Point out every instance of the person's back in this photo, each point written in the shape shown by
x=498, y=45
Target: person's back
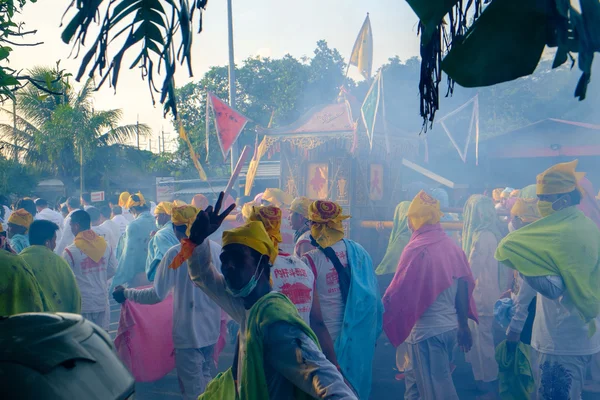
x=56, y=279
x=67, y=237
x=22, y=292
x=294, y=278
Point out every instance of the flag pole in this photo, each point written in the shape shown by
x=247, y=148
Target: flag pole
x=234, y=147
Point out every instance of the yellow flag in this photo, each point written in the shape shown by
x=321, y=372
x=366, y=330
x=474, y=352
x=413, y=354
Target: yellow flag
x=183, y=135
x=362, y=52
x=253, y=167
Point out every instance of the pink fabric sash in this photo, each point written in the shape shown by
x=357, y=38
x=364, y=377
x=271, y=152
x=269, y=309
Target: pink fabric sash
x=144, y=339
x=429, y=264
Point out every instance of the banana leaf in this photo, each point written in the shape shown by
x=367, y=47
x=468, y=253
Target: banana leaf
x=505, y=43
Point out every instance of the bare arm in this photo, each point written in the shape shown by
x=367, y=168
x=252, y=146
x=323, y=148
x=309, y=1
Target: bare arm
x=465, y=341
x=318, y=326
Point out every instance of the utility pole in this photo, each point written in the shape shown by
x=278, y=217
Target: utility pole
x=234, y=147
x=137, y=132
x=163, y=140
x=150, y=145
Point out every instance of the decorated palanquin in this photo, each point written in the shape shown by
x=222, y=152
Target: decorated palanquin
x=326, y=155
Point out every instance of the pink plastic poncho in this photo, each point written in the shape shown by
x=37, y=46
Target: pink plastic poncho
x=144, y=339
x=429, y=264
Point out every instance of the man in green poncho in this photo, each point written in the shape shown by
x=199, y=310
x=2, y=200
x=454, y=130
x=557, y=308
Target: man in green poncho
x=51, y=270
x=20, y=292
x=559, y=257
x=267, y=364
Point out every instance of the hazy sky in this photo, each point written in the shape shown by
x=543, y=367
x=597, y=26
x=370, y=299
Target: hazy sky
x=265, y=27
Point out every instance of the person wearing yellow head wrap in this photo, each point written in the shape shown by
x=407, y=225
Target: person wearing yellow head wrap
x=183, y=216
x=179, y=203
x=299, y=223
x=559, y=257
x=162, y=240
x=243, y=292
x=399, y=238
x=497, y=195
x=200, y=202
x=423, y=210
x=18, y=225
x=348, y=292
x=123, y=199
x=132, y=250
x=277, y=197
x=196, y=319
x=270, y=216
x=523, y=212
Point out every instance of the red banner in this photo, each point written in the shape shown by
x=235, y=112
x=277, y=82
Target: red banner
x=229, y=123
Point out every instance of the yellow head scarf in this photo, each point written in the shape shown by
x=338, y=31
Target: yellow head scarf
x=253, y=235
x=200, y=202
x=497, y=194
x=526, y=210
x=326, y=218
x=270, y=216
x=515, y=193
x=179, y=203
x=91, y=244
x=247, y=210
x=277, y=197
x=424, y=210
x=123, y=199
x=301, y=205
x=132, y=203
x=164, y=207
x=559, y=179
x=21, y=217
x=184, y=215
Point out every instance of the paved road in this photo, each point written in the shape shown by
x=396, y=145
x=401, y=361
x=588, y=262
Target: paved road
x=385, y=386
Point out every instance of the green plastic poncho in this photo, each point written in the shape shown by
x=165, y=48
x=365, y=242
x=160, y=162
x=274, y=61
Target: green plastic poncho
x=55, y=277
x=399, y=238
x=20, y=292
x=515, y=376
x=565, y=243
x=528, y=192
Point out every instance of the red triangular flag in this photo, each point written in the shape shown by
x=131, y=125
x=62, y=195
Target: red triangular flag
x=229, y=123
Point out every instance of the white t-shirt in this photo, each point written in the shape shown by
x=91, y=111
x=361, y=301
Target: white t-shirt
x=52, y=216
x=302, y=240
x=92, y=277
x=66, y=238
x=128, y=216
x=295, y=279
x=439, y=318
x=196, y=318
x=328, y=286
x=121, y=222
x=106, y=232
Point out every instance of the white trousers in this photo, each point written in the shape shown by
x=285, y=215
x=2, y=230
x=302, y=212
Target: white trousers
x=428, y=376
x=193, y=370
x=552, y=367
x=102, y=319
x=482, y=356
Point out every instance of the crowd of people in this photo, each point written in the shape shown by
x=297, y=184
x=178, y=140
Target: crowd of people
x=518, y=291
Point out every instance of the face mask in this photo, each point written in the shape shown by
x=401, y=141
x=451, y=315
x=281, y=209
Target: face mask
x=547, y=208
x=250, y=286
x=158, y=225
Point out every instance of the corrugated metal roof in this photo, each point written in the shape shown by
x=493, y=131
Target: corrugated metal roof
x=266, y=169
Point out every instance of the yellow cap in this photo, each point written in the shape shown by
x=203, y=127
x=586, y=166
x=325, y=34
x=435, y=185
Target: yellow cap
x=21, y=217
x=424, y=210
x=559, y=179
x=253, y=235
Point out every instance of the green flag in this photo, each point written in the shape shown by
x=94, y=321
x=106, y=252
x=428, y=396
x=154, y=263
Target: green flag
x=369, y=108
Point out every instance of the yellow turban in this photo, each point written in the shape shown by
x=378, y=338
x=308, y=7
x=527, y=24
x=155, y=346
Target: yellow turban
x=133, y=203
x=247, y=210
x=300, y=205
x=21, y=217
x=270, y=216
x=326, y=218
x=164, y=207
x=424, y=210
x=179, y=203
x=184, y=215
x=559, y=179
x=497, y=194
x=526, y=210
x=200, y=202
x=123, y=199
x=253, y=235
x=277, y=197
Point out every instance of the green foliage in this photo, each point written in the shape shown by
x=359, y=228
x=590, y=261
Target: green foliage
x=53, y=130
x=161, y=30
x=285, y=88
x=16, y=179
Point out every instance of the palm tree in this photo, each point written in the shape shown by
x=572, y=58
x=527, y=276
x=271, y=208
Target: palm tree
x=60, y=133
